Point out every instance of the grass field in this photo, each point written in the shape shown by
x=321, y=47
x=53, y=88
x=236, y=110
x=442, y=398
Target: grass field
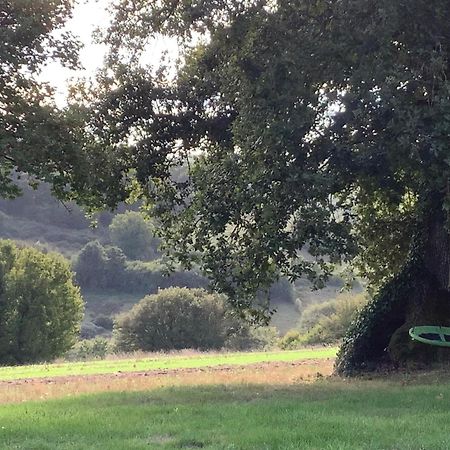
x=328, y=414
x=160, y=362
x=231, y=401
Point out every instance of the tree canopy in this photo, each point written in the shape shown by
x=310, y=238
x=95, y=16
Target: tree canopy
x=38, y=139
x=314, y=132
x=307, y=125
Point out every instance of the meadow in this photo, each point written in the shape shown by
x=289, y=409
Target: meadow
x=271, y=404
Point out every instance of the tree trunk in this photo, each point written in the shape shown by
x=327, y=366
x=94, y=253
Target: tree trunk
x=437, y=251
x=418, y=295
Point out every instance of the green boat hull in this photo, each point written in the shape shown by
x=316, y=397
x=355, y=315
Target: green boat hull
x=431, y=335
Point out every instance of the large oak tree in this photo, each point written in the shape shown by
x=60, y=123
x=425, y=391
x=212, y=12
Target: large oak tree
x=305, y=125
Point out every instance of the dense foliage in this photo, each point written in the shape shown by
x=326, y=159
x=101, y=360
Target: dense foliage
x=40, y=308
x=98, y=267
x=179, y=318
x=318, y=123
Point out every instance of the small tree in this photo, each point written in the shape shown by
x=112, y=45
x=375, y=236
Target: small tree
x=89, y=266
x=40, y=308
x=134, y=236
x=174, y=319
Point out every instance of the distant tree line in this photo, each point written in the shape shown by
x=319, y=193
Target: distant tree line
x=99, y=267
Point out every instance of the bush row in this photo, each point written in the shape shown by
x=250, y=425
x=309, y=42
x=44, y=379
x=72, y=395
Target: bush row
x=180, y=318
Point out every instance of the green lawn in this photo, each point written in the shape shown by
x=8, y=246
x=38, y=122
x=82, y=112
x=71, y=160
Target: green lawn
x=160, y=362
x=333, y=415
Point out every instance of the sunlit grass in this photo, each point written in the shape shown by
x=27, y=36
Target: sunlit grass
x=159, y=362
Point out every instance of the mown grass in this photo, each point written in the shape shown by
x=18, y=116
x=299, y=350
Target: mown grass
x=159, y=362
x=333, y=415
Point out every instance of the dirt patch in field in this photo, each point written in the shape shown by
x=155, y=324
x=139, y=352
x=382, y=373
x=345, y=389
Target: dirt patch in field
x=273, y=373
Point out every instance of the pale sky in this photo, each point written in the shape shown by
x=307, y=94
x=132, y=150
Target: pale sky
x=87, y=16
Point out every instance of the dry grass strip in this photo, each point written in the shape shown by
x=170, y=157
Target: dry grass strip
x=273, y=373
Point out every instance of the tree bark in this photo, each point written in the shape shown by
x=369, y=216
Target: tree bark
x=437, y=251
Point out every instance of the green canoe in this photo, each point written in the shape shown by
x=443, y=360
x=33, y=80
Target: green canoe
x=431, y=335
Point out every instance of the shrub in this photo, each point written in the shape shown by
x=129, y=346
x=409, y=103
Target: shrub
x=175, y=318
x=178, y=318
x=89, y=265
x=149, y=277
x=88, y=349
x=90, y=331
x=40, y=308
x=291, y=340
x=324, y=323
x=313, y=313
x=104, y=322
x=134, y=236
x=99, y=267
x=255, y=338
